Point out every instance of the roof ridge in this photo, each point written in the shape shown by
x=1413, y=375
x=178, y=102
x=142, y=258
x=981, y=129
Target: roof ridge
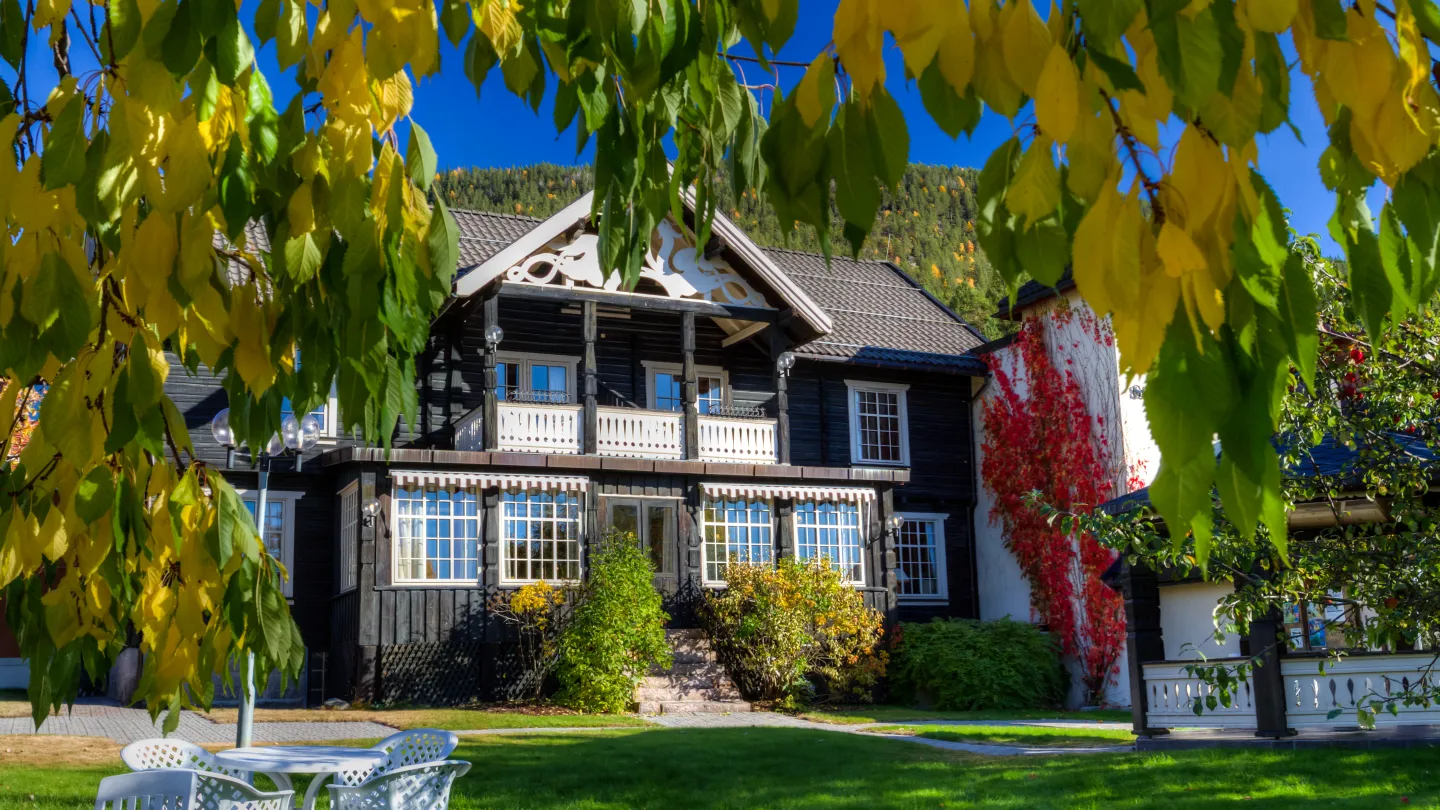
x=799, y=252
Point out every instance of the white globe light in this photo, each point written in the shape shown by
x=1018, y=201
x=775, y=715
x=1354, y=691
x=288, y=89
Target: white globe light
x=220, y=429
x=290, y=431
x=275, y=446
x=309, y=432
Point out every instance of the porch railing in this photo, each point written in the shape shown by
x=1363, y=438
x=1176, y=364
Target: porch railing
x=737, y=440
x=536, y=428
x=1310, y=695
x=634, y=433
x=468, y=432
x=1171, y=692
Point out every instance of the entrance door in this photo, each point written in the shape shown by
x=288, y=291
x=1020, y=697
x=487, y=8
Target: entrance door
x=655, y=524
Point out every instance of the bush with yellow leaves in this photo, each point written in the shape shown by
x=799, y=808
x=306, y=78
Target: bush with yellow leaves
x=538, y=612
x=794, y=633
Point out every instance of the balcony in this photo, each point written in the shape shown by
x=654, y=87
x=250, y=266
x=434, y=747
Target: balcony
x=539, y=427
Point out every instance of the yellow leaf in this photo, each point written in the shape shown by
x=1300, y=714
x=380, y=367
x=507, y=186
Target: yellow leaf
x=54, y=537
x=815, y=95
x=1091, y=155
x=859, y=40
x=1198, y=180
x=1035, y=191
x=393, y=99
x=1025, y=37
x=1057, y=95
x=919, y=26
x=1270, y=16
x=197, y=252
x=49, y=12
x=1178, y=251
x=1091, y=251
x=301, y=210
x=496, y=18
x=992, y=82
x=252, y=351
x=187, y=165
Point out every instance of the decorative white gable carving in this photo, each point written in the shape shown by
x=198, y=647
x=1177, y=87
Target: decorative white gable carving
x=673, y=263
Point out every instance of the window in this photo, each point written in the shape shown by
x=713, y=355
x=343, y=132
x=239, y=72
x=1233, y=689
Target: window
x=1316, y=625
x=327, y=414
x=535, y=378
x=878, y=424
x=652, y=521
x=830, y=530
x=437, y=534
x=349, y=535
x=278, y=528
x=736, y=527
x=540, y=535
x=667, y=387
x=920, y=553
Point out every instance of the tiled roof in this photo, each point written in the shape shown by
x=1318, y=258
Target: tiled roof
x=1033, y=292
x=881, y=315
x=256, y=241
x=483, y=234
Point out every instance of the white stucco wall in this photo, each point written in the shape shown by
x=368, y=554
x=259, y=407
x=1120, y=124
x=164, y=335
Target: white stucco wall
x=1187, y=621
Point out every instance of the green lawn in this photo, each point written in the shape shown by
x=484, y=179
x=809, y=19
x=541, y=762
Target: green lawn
x=1025, y=736
x=449, y=719
x=899, y=714
x=798, y=768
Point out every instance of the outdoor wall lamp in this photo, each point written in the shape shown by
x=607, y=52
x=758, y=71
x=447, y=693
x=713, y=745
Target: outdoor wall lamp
x=896, y=521
x=493, y=335
x=784, y=363
x=369, y=511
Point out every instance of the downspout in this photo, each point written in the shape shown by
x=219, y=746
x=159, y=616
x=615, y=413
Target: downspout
x=975, y=501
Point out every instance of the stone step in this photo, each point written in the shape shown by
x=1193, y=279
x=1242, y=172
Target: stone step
x=712, y=676
x=694, y=707
x=691, y=658
x=668, y=694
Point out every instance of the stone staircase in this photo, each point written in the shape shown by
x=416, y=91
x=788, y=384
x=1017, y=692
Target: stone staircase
x=696, y=683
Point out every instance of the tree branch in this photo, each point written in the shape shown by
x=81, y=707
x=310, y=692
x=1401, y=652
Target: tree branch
x=1157, y=211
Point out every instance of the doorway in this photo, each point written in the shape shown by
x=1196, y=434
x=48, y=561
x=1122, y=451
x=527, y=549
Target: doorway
x=655, y=522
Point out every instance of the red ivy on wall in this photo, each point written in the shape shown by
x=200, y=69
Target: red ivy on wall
x=1043, y=439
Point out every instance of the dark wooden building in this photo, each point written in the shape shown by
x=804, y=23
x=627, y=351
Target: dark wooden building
x=737, y=401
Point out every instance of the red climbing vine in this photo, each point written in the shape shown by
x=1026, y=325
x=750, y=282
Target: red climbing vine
x=1040, y=437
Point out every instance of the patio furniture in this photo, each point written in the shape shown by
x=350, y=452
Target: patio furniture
x=165, y=755
x=184, y=790
x=414, y=787
x=414, y=747
x=323, y=761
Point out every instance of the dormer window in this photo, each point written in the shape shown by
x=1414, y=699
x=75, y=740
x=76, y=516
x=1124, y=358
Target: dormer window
x=879, y=426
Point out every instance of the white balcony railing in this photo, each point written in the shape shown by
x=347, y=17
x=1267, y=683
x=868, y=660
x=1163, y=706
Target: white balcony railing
x=1171, y=692
x=633, y=433
x=468, y=433
x=535, y=428
x=1311, y=696
x=737, y=440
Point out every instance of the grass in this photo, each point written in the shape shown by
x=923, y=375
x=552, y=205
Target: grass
x=855, y=715
x=449, y=719
x=801, y=768
x=1024, y=736
x=14, y=703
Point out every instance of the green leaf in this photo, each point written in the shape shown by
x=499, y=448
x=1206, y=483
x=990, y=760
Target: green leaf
x=444, y=242
x=1416, y=200
x=267, y=16
x=889, y=138
x=181, y=47
x=1239, y=495
x=1044, y=250
x=290, y=39
x=1400, y=258
x=1330, y=19
x=122, y=30
x=851, y=154
x=1105, y=21
x=479, y=58
x=1274, y=75
x=302, y=257
x=420, y=157
x=954, y=113
x=1181, y=493
x=63, y=161
x=234, y=51
x=455, y=19
x=236, y=194
x=1298, y=308
x=1262, y=248
x=12, y=32
x=1369, y=284
x=95, y=494
x=567, y=104
x=1122, y=76
x=7, y=100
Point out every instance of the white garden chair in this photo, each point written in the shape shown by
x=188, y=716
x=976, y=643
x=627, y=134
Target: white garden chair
x=414, y=787
x=415, y=747
x=175, y=755
x=184, y=790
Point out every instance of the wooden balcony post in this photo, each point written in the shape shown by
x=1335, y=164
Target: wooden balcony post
x=692, y=386
x=1267, y=643
x=778, y=346
x=591, y=428
x=490, y=424
x=885, y=558
x=1144, y=642
x=366, y=677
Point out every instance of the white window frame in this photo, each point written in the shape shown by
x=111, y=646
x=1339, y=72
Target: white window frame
x=862, y=524
x=453, y=582
x=349, y=555
x=525, y=359
x=504, y=539
x=902, y=401
x=705, y=534
x=287, y=534
x=942, y=594
x=653, y=367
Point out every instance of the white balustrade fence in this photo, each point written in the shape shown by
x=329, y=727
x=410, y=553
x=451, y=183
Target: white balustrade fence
x=468, y=432
x=1311, y=696
x=1171, y=693
x=737, y=440
x=535, y=428
x=633, y=433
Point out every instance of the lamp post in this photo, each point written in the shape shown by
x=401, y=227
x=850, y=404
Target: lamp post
x=297, y=436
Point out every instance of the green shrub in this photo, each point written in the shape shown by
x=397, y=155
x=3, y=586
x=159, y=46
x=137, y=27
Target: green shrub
x=962, y=665
x=782, y=630
x=617, y=631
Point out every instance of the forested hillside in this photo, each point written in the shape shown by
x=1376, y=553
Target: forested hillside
x=925, y=226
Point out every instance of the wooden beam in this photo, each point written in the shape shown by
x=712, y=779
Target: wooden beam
x=692, y=386
x=546, y=292
x=779, y=343
x=590, y=436
x=752, y=329
x=490, y=422
x=1144, y=639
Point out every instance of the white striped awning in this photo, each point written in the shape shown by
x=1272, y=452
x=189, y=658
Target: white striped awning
x=797, y=491
x=482, y=480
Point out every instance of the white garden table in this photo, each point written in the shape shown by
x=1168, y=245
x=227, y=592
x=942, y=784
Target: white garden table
x=280, y=761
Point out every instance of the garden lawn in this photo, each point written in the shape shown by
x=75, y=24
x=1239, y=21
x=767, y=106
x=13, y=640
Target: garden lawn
x=801, y=768
x=855, y=715
x=448, y=719
x=1023, y=736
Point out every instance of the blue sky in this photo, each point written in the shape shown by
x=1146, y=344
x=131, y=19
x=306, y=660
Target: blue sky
x=497, y=129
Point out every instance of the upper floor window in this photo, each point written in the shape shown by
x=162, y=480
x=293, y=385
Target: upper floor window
x=920, y=557
x=535, y=377
x=830, y=530
x=667, y=387
x=879, y=428
x=739, y=528
x=540, y=534
x=437, y=534
x=277, y=528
